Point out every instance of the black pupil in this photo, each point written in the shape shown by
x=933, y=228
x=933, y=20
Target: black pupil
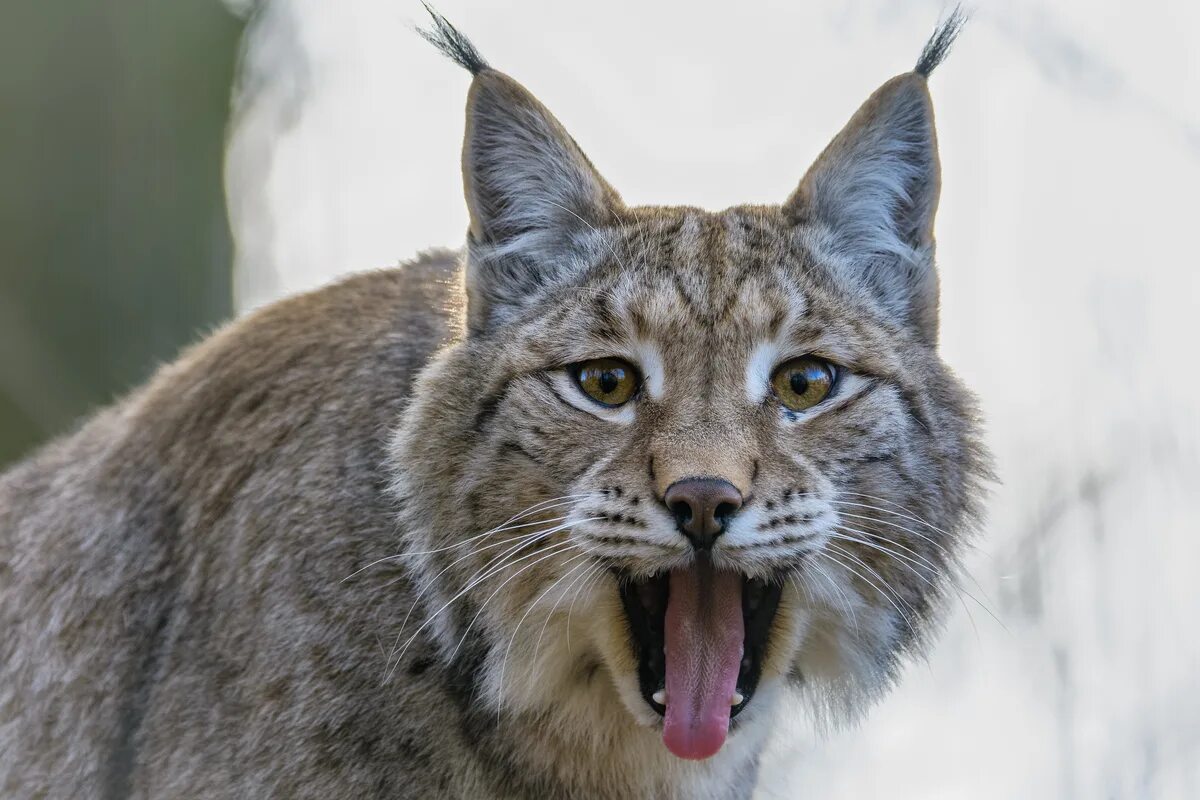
x=799, y=383
x=609, y=381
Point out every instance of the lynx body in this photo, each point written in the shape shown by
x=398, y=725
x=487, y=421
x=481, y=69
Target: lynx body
x=571, y=514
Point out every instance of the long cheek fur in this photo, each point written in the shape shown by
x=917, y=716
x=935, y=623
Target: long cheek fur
x=561, y=441
x=847, y=653
x=571, y=648
x=788, y=630
x=610, y=637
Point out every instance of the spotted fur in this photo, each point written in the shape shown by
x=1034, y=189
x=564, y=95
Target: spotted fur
x=291, y=566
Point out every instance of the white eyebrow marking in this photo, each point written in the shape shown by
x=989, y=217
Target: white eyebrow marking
x=650, y=362
x=758, y=371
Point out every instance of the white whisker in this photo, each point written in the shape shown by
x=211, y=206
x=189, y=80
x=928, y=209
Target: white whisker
x=907, y=511
x=520, y=541
x=598, y=571
x=909, y=516
x=537, y=647
x=846, y=536
x=841, y=592
x=959, y=589
x=521, y=621
x=553, y=550
x=897, y=526
x=501, y=528
x=908, y=620
x=472, y=584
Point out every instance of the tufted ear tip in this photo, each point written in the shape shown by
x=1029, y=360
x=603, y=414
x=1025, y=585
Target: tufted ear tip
x=939, y=44
x=452, y=42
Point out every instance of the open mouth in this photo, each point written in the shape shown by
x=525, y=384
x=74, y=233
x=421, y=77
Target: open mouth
x=701, y=638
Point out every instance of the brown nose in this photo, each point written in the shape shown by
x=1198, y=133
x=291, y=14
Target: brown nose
x=702, y=507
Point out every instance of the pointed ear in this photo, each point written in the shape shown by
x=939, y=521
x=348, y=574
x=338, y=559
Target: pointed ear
x=872, y=195
x=532, y=194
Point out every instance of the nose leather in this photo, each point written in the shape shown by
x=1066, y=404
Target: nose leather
x=702, y=507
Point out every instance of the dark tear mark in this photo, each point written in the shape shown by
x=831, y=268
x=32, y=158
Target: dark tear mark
x=487, y=410
x=915, y=410
x=513, y=446
x=871, y=388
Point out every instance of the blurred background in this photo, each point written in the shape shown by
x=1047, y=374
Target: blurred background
x=114, y=243
x=151, y=189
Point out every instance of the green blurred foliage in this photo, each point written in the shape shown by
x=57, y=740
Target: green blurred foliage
x=114, y=244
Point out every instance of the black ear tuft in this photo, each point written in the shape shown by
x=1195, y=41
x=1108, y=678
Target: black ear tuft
x=453, y=44
x=938, y=46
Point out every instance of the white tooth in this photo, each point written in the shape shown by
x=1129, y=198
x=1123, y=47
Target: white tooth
x=737, y=699
x=659, y=697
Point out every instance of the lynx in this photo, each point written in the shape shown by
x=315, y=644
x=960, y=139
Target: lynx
x=574, y=513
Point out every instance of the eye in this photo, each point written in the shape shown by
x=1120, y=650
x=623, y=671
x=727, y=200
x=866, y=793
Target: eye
x=803, y=382
x=609, y=381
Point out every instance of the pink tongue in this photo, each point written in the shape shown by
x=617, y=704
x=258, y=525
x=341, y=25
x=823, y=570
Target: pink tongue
x=703, y=646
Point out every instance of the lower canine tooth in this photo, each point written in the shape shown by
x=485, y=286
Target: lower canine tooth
x=659, y=697
x=737, y=699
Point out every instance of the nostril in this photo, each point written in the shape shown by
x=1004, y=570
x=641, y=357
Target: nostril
x=725, y=511
x=682, y=511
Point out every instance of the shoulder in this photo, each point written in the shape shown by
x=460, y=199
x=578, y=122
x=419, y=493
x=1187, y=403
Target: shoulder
x=343, y=355
x=415, y=305
x=369, y=332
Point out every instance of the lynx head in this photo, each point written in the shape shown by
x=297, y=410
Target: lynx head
x=688, y=458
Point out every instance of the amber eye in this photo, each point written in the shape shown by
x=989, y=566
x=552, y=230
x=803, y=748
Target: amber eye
x=803, y=382
x=609, y=381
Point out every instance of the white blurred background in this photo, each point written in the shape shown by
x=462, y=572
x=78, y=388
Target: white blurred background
x=1070, y=139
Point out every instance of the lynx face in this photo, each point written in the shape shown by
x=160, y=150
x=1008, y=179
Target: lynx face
x=687, y=457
